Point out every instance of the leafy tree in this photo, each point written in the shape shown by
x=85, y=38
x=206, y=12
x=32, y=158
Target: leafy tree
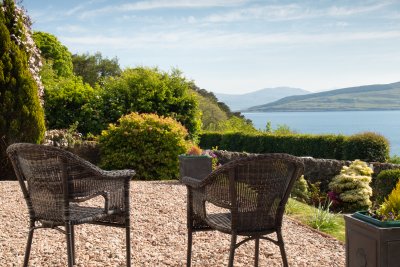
x=21, y=115
x=68, y=100
x=52, y=49
x=94, y=68
x=149, y=90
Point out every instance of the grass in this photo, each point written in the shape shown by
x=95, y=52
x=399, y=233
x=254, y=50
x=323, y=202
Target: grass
x=332, y=224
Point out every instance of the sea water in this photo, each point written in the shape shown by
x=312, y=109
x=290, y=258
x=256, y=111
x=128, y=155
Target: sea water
x=386, y=123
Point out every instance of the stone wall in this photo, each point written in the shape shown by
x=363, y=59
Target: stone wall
x=315, y=170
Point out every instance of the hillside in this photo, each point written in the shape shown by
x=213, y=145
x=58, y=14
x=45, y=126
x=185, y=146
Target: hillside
x=368, y=97
x=263, y=96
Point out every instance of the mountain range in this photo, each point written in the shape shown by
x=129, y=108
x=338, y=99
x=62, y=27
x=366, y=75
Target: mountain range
x=368, y=97
x=260, y=97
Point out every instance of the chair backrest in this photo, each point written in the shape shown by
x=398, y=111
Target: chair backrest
x=258, y=189
x=49, y=172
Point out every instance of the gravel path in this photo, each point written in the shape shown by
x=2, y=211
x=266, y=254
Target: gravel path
x=158, y=211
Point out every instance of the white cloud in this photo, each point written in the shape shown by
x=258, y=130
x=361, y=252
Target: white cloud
x=348, y=11
x=162, y=4
x=71, y=29
x=205, y=40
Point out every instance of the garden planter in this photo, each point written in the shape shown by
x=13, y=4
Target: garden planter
x=370, y=242
x=196, y=167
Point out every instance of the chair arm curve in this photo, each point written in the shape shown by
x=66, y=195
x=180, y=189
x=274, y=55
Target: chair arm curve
x=104, y=194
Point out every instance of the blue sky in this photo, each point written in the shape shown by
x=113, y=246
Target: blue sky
x=236, y=46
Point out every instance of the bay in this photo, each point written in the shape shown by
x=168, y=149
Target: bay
x=386, y=123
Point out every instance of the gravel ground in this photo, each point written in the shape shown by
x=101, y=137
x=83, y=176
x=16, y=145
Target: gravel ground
x=158, y=221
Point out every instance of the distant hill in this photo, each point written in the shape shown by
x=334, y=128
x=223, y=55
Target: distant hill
x=368, y=97
x=263, y=96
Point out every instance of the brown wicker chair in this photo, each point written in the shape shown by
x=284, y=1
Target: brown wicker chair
x=251, y=192
x=57, y=185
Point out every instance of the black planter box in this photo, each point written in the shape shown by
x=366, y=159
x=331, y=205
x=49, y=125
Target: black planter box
x=196, y=167
x=370, y=245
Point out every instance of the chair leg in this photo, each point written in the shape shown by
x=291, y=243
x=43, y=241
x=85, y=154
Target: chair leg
x=73, y=243
x=232, y=250
x=128, y=245
x=68, y=230
x=256, y=252
x=282, y=248
x=29, y=243
x=189, y=248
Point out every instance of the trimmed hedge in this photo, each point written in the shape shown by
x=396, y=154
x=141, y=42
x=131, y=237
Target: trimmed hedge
x=318, y=146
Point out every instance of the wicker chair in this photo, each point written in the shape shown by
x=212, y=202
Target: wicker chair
x=57, y=185
x=245, y=197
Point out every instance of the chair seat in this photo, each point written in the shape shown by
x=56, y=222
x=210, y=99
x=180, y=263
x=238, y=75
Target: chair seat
x=82, y=214
x=246, y=223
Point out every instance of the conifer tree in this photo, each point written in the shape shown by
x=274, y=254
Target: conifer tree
x=21, y=115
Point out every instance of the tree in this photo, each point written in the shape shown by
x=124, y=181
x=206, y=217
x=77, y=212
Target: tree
x=94, y=68
x=21, y=115
x=51, y=49
x=68, y=101
x=149, y=90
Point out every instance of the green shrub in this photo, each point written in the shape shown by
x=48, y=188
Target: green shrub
x=300, y=190
x=21, y=115
x=367, y=146
x=352, y=186
x=149, y=90
x=384, y=184
x=69, y=101
x=147, y=143
x=374, y=147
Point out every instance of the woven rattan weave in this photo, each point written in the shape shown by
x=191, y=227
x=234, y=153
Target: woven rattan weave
x=253, y=192
x=56, y=185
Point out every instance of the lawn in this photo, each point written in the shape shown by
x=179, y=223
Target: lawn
x=331, y=224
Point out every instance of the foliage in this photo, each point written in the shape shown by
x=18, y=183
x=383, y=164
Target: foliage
x=217, y=116
x=68, y=100
x=52, y=49
x=385, y=182
x=315, y=194
x=395, y=159
x=211, y=114
x=148, y=143
x=235, y=124
x=281, y=129
x=21, y=115
x=317, y=146
x=352, y=186
x=149, y=90
x=322, y=217
x=390, y=209
x=367, y=146
x=300, y=190
x=94, y=68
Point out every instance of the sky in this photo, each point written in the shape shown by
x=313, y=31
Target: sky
x=236, y=46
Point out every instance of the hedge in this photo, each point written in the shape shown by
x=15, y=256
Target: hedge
x=317, y=146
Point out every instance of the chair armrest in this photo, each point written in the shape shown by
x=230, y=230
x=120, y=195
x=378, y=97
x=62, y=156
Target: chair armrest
x=118, y=174
x=192, y=182
x=104, y=194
